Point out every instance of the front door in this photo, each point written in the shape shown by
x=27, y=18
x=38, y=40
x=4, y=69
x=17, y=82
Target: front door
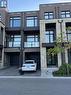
x=69, y=56
x=51, y=60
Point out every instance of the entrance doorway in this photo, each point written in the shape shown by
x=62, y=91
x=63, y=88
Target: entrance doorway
x=52, y=60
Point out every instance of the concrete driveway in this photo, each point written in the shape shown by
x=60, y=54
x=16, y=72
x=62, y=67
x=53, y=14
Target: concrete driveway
x=13, y=71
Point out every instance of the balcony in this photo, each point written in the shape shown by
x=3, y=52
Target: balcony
x=31, y=44
x=15, y=44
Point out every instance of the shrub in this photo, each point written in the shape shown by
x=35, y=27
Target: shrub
x=64, y=70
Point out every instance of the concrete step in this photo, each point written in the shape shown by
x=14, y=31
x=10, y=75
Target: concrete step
x=50, y=71
x=47, y=72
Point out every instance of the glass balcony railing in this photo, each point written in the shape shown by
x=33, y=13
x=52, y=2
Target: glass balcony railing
x=18, y=44
x=31, y=44
x=13, y=44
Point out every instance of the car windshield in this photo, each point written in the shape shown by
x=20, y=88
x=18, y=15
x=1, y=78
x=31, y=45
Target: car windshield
x=29, y=62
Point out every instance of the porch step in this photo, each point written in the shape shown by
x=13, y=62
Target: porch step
x=47, y=72
x=50, y=71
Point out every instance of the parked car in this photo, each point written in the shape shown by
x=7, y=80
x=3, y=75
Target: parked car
x=28, y=65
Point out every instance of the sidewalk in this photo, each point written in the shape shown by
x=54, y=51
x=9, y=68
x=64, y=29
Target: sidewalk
x=32, y=77
x=13, y=73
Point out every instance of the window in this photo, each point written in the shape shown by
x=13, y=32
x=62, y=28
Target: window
x=32, y=38
x=14, y=41
x=31, y=21
x=68, y=35
x=32, y=41
x=15, y=22
x=65, y=14
x=69, y=56
x=48, y=15
x=51, y=60
x=49, y=36
x=3, y=3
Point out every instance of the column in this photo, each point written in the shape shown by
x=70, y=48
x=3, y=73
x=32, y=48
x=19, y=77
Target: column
x=65, y=40
x=58, y=32
x=59, y=60
x=64, y=31
x=21, y=50
x=2, y=65
x=43, y=58
x=22, y=41
x=23, y=47
x=43, y=49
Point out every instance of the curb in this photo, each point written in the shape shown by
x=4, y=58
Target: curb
x=26, y=77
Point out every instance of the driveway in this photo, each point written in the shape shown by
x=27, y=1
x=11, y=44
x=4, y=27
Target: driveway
x=13, y=71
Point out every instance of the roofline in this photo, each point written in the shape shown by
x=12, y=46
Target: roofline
x=24, y=11
x=56, y=3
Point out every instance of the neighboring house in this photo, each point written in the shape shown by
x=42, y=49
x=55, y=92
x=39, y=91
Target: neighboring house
x=28, y=35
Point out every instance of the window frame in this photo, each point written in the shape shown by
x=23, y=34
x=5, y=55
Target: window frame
x=48, y=32
x=34, y=37
x=68, y=34
x=47, y=15
x=3, y=3
x=65, y=14
x=12, y=21
x=11, y=39
x=32, y=43
x=34, y=20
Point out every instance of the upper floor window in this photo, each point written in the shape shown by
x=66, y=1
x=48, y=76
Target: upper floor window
x=49, y=36
x=32, y=41
x=65, y=14
x=14, y=41
x=48, y=15
x=15, y=22
x=31, y=21
x=32, y=38
x=3, y=3
x=68, y=35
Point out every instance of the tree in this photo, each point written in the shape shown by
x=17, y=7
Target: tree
x=60, y=46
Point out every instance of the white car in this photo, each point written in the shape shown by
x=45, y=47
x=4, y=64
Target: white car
x=28, y=65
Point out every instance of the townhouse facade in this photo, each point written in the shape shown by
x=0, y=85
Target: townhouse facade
x=28, y=35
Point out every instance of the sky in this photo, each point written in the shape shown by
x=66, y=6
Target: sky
x=29, y=5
